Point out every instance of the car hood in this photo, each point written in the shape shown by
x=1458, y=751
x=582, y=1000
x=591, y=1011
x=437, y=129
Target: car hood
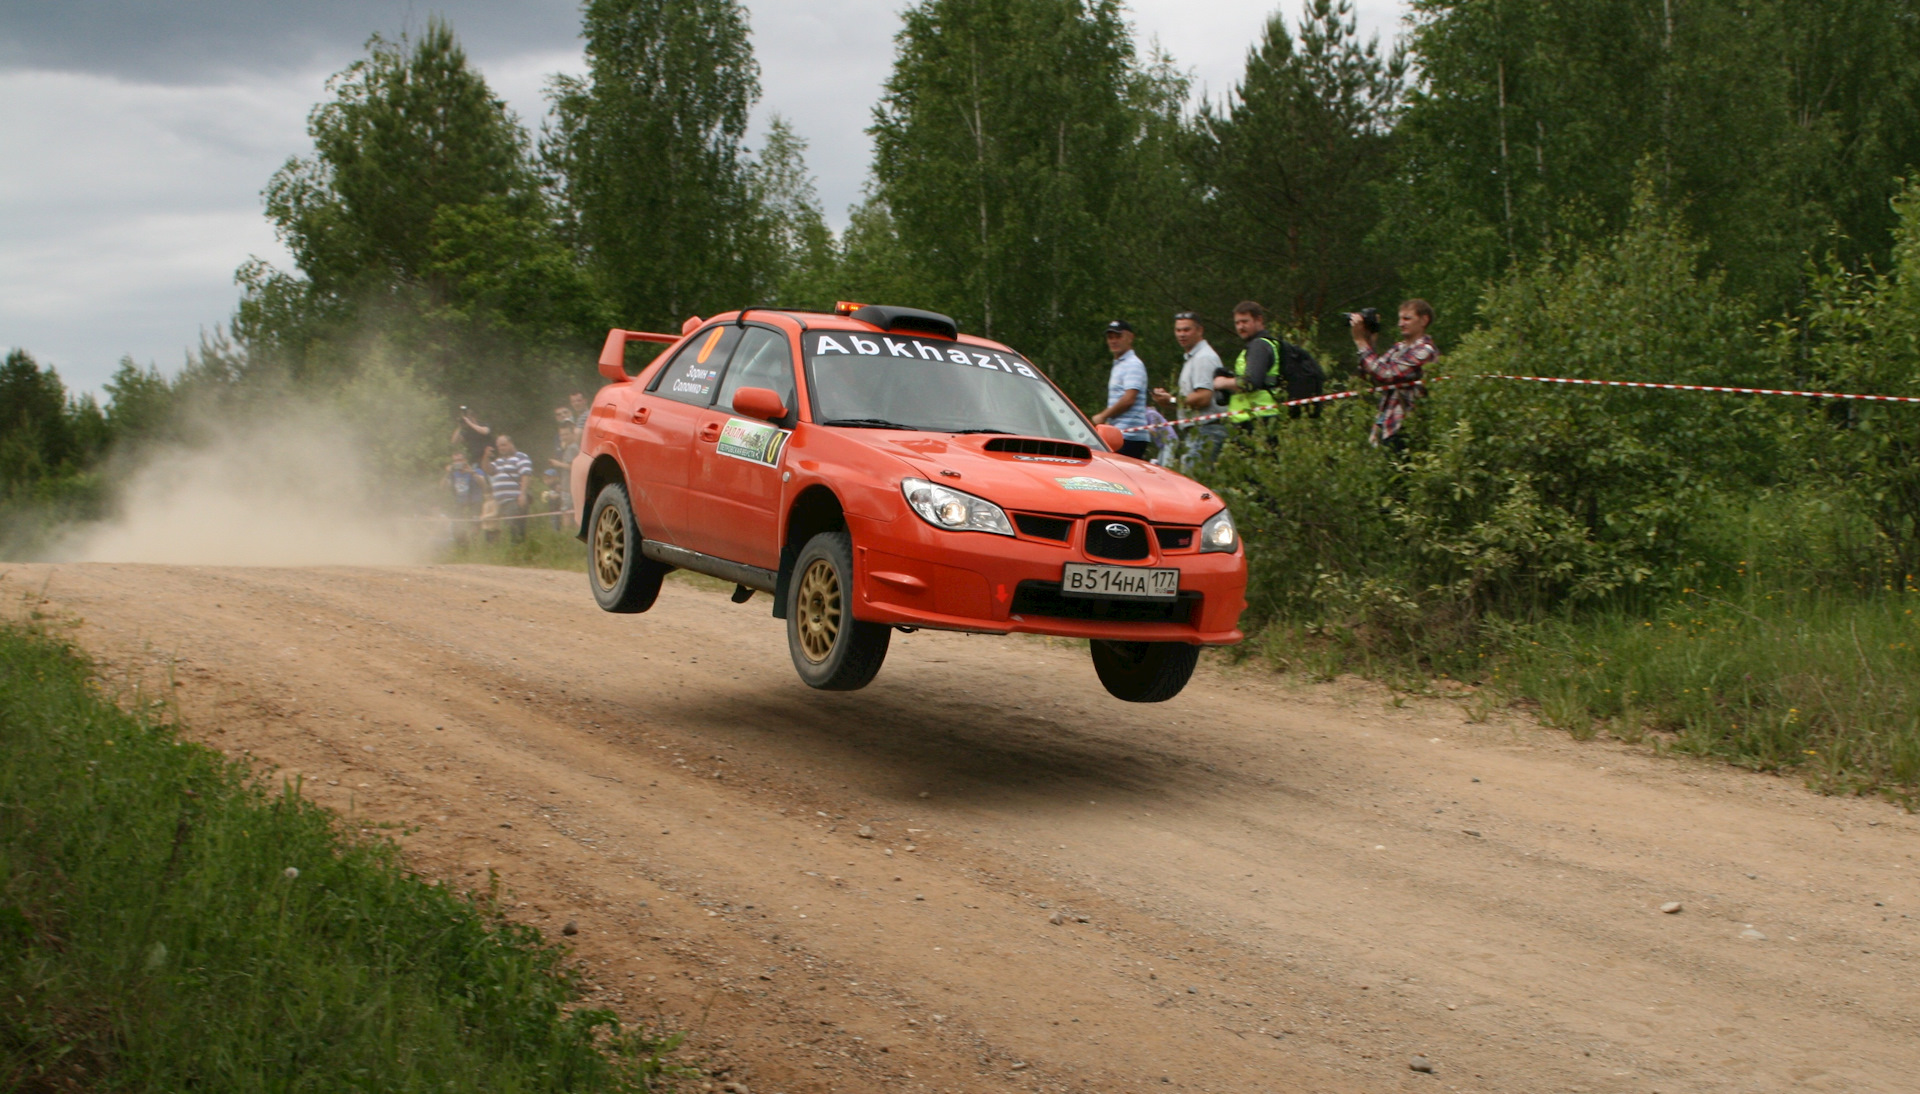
x=1104, y=483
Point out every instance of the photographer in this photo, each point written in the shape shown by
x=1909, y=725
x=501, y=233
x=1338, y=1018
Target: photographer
x=1405, y=363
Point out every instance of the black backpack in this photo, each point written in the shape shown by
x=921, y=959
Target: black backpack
x=1302, y=373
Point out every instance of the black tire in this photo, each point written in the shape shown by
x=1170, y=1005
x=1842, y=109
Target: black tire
x=1144, y=672
x=623, y=580
x=831, y=649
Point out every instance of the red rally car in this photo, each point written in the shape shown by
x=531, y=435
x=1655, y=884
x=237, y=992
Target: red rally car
x=876, y=469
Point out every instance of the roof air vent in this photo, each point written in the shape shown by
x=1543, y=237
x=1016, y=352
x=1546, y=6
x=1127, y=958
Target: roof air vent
x=901, y=319
x=1034, y=446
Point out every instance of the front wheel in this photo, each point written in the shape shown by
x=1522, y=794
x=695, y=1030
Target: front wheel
x=831, y=649
x=1144, y=672
x=623, y=579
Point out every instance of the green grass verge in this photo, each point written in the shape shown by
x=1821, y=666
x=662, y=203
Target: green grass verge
x=169, y=923
x=543, y=547
x=1820, y=682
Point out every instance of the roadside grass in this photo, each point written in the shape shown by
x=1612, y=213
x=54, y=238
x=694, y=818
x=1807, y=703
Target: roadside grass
x=544, y=547
x=168, y=922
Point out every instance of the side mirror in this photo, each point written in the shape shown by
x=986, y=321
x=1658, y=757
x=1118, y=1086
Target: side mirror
x=613, y=357
x=759, y=402
x=1111, y=436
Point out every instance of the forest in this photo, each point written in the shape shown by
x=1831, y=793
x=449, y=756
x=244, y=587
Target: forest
x=1692, y=191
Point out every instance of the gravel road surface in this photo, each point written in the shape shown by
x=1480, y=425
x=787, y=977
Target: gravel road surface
x=983, y=874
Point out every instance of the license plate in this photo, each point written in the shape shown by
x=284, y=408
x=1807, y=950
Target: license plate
x=1119, y=582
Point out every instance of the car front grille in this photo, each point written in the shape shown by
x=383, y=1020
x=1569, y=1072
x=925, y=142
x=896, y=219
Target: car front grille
x=1174, y=539
x=1101, y=543
x=1039, y=527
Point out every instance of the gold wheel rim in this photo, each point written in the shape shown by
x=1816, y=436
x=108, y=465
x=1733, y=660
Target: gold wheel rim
x=819, y=617
x=609, y=547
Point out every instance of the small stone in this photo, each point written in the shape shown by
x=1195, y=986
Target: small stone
x=864, y=832
x=1018, y=1067
x=923, y=793
x=1083, y=919
x=1672, y=907
x=919, y=896
x=1753, y=934
x=1193, y=991
x=1421, y=1064
x=1474, y=832
x=1056, y=919
x=504, y=824
x=735, y=1088
x=910, y=847
x=571, y=928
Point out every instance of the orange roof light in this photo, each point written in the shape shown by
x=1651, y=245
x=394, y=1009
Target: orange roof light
x=846, y=307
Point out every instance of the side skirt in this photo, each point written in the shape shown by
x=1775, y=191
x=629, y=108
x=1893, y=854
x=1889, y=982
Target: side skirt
x=753, y=577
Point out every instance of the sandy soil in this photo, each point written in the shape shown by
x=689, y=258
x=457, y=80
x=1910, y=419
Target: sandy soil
x=1261, y=886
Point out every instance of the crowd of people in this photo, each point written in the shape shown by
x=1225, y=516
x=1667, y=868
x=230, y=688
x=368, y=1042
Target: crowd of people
x=1268, y=373
x=494, y=485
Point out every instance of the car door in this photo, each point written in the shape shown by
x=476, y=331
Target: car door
x=735, y=485
x=660, y=428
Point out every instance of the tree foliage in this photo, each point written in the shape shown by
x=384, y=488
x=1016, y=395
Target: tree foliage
x=647, y=150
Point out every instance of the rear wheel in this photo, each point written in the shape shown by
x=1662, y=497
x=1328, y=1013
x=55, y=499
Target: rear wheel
x=1144, y=672
x=623, y=579
x=831, y=649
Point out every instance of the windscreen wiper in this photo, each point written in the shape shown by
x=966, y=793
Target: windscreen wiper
x=1005, y=431
x=868, y=423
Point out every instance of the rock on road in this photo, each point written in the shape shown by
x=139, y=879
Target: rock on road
x=983, y=874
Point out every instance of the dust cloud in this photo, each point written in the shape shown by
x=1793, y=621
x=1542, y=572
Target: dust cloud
x=268, y=491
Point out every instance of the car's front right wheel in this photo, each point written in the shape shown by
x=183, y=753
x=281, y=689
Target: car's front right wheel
x=623, y=579
x=1144, y=672
x=831, y=649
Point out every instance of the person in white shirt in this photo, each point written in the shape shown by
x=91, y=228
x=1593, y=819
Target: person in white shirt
x=1193, y=395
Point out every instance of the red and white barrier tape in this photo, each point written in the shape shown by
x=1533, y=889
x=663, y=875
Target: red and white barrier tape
x=1268, y=412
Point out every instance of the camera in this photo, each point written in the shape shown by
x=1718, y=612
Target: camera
x=1369, y=318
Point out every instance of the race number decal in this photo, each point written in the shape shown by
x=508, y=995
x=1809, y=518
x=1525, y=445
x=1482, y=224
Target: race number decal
x=754, y=442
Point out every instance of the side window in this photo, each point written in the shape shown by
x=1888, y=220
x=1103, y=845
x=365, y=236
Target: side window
x=692, y=374
x=763, y=359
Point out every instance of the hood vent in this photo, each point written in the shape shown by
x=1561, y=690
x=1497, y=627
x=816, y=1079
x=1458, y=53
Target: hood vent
x=1034, y=446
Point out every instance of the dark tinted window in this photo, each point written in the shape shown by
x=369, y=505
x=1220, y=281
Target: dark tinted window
x=762, y=359
x=695, y=371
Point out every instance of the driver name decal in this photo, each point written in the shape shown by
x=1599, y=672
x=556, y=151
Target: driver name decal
x=1087, y=482
x=754, y=442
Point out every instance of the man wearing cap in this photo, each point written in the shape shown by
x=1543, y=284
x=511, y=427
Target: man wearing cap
x=1193, y=394
x=1126, y=391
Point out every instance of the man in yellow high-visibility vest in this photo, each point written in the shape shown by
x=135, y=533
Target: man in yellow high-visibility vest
x=1255, y=370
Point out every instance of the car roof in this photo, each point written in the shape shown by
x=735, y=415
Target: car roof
x=816, y=321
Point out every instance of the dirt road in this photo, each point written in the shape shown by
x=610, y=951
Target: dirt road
x=1260, y=886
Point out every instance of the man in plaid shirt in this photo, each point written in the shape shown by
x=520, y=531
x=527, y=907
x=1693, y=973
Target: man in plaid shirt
x=1405, y=363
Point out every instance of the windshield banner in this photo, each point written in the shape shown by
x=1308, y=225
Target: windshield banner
x=852, y=344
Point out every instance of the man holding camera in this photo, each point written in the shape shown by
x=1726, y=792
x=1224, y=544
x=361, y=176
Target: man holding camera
x=1249, y=386
x=1399, y=369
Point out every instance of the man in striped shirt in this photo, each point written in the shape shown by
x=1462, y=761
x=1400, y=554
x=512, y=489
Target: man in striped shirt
x=511, y=475
x=1399, y=369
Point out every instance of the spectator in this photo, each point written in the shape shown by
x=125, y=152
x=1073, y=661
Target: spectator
x=1194, y=395
x=1249, y=386
x=1126, y=391
x=1405, y=363
x=511, y=473
x=562, y=466
x=470, y=437
x=468, y=489
x=578, y=404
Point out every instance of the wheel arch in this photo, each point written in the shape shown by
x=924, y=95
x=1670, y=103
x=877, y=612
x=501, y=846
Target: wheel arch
x=604, y=469
x=815, y=510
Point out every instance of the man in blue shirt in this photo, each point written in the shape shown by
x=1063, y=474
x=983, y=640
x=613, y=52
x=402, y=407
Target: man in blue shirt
x=1126, y=391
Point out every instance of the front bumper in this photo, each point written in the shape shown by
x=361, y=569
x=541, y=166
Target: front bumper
x=911, y=574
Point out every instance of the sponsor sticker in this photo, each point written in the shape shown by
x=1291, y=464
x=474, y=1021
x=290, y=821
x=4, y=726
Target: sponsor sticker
x=754, y=442
x=1086, y=482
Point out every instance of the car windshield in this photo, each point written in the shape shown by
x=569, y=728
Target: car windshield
x=884, y=381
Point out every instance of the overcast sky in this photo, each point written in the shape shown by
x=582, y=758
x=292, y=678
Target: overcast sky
x=139, y=133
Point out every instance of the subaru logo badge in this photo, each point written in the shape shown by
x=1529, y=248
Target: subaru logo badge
x=1118, y=530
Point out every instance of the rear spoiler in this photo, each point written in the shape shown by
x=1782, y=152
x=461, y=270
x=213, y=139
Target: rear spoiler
x=613, y=356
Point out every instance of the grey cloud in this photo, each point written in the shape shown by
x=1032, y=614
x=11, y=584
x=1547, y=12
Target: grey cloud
x=213, y=41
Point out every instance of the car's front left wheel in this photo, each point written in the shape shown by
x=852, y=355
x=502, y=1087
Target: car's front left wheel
x=831, y=649
x=623, y=579
x=1144, y=672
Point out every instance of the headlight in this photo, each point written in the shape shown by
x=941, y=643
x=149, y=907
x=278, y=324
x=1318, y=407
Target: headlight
x=1218, y=534
x=953, y=510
